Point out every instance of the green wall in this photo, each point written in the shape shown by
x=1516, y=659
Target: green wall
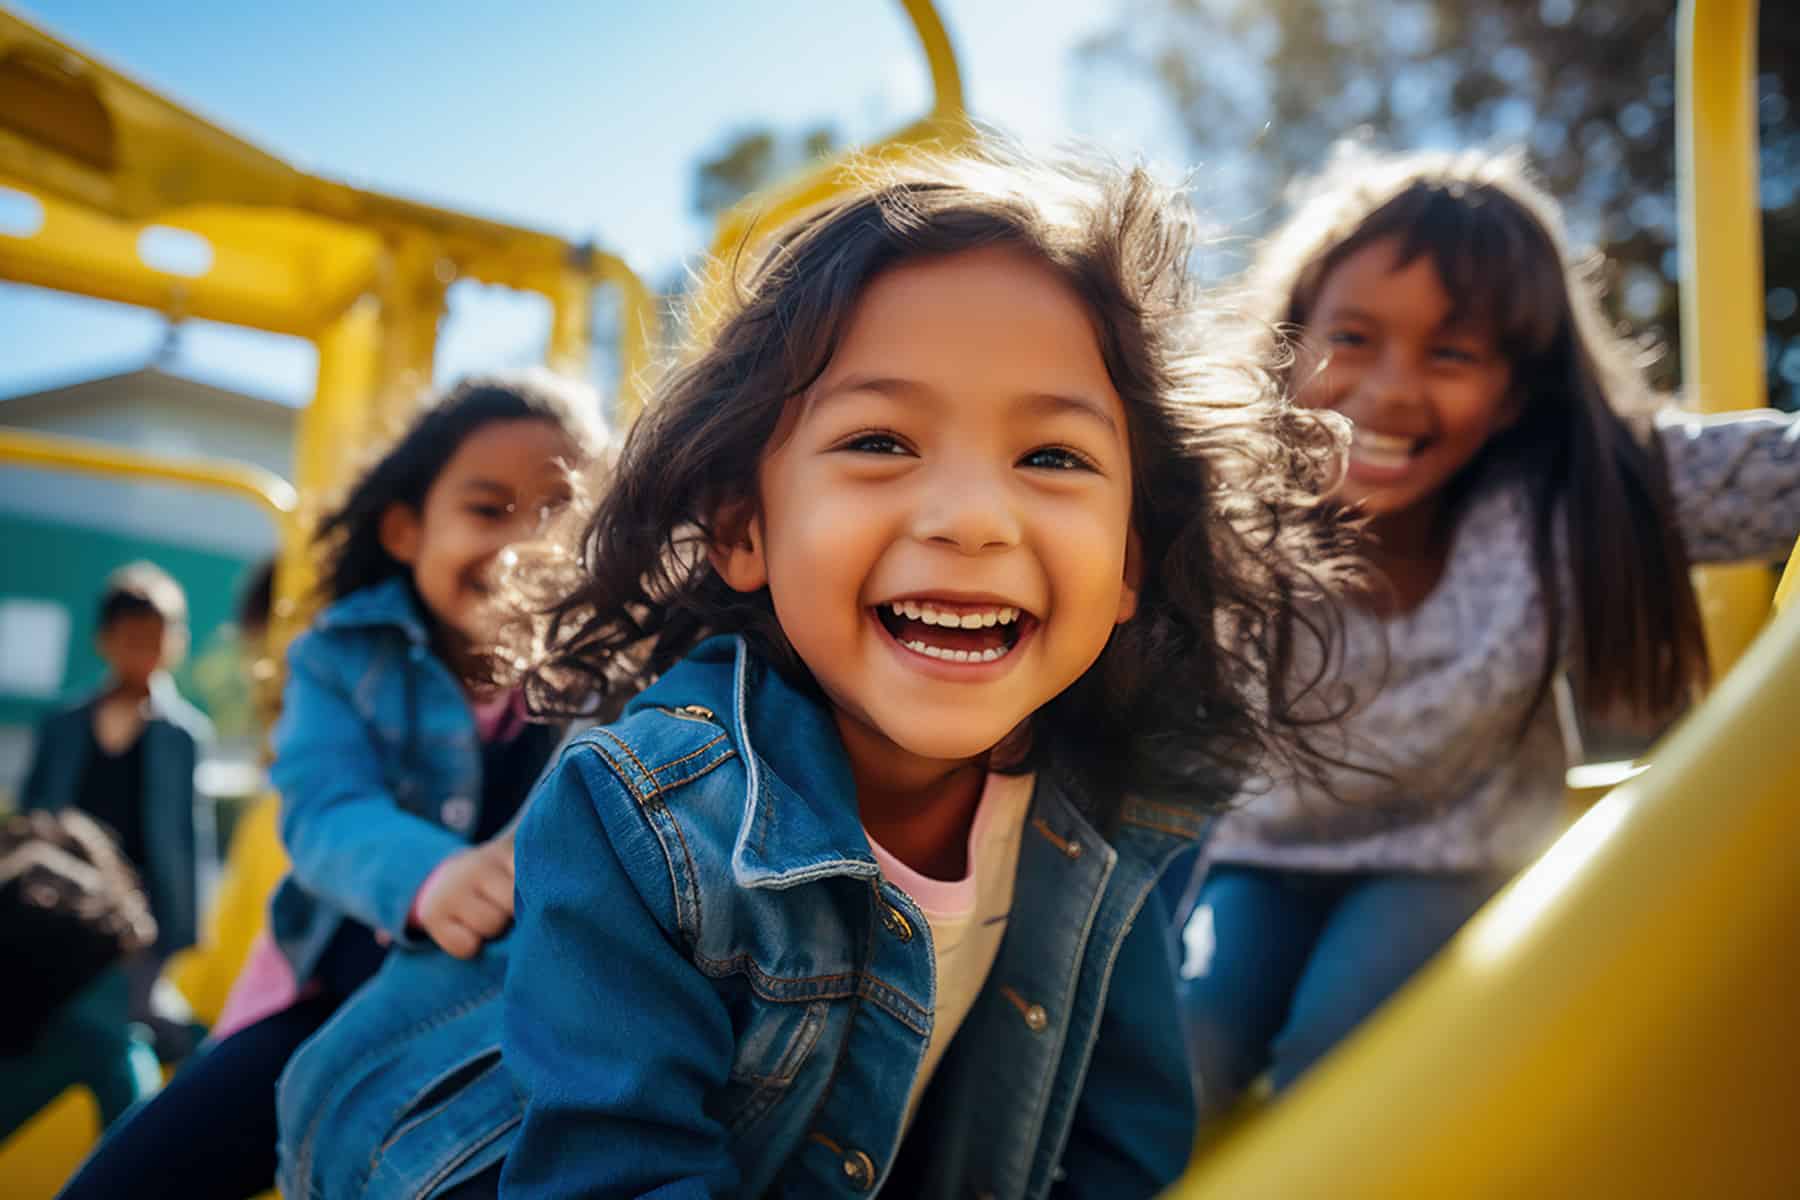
x=69, y=564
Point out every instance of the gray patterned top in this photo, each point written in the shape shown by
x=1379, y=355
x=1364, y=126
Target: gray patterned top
x=1461, y=793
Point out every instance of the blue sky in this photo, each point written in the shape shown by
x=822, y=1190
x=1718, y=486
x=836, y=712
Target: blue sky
x=584, y=119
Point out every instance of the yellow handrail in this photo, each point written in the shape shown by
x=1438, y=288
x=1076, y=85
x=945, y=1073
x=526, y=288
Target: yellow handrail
x=274, y=494
x=944, y=127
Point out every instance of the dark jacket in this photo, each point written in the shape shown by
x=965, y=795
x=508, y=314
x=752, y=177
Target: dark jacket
x=172, y=738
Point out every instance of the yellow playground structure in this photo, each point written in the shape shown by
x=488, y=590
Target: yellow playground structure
x=1613, y=1024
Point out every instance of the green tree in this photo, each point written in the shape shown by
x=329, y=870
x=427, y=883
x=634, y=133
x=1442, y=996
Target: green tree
x=753, y=159
x=1257, y=91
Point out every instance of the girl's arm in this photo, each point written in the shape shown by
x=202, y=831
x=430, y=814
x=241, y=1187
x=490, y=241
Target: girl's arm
x=1134, y=1121
x=350, y=841
x=616, y=1037
x=1736, y=482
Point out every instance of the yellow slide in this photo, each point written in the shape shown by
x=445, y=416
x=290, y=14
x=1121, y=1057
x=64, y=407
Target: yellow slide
x=1618, y=1022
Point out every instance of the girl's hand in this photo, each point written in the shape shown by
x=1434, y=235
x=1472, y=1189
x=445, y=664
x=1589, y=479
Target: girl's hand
x=471, y=899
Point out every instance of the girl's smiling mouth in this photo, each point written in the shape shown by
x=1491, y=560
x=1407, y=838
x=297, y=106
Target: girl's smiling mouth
x=955, y=632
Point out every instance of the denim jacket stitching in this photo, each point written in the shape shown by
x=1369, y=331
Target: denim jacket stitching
x=455, y=1164
x=798, y=989
x=396, y=1048
x=692, y=754
x=699, y=772
x=1061, y=1136
x=685, y=890
x=895, y=1003
x=419, y=1118
x=1066, y=1002
x=1181, y=817
x=798, y=1050
x=1171, y=830
x=648, y=776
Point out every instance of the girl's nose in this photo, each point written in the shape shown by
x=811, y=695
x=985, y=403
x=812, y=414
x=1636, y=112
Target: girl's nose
x=1395, y=381
x=971, y=511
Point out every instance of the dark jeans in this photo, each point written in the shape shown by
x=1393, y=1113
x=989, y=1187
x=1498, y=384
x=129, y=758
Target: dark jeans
x=1277, y=967
x=211, y=1131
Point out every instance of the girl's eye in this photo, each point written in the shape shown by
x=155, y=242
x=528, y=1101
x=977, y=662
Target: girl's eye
x=874, y=443
x=1347, y=337
x=491, y=512
x=1456, y=354
x=1057, y=458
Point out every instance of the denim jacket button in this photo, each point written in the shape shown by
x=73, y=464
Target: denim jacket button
x=859, y=1170
x=1036, y=1019
x=895, y=922
x=458, y=814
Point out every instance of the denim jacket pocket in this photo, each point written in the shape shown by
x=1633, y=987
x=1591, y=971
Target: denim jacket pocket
x=458, y=1124
x=769, y=1056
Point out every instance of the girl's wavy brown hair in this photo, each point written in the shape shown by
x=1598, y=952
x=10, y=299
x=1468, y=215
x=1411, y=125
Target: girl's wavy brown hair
x=1239, y=559
x=1583, y=446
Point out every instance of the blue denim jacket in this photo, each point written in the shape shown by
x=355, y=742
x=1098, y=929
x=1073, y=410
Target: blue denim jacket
x=711, y=991
x=378, y=765
x=172, y=738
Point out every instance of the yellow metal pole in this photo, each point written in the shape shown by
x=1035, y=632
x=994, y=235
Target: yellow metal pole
x=330, y=442
x=414, y=282
x=1722, y=328
x=940, y=58
x=21, y=448
x=639, y=329
x=571, y=315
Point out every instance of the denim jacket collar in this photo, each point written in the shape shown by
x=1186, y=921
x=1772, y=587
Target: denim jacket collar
x=388, y=603
x=800, y=819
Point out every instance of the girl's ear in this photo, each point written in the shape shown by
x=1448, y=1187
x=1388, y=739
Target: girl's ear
x=400, y=533
x=736, y=552
x=1134, y=578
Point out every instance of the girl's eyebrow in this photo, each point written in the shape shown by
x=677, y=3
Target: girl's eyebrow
x=485, y=485
x=886, y=385
x=1058, y=402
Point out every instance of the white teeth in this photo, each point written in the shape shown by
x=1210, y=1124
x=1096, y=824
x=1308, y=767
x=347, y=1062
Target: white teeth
x=1382, y=449
x=1386, y=442
x=992, y=654
x=986, y=618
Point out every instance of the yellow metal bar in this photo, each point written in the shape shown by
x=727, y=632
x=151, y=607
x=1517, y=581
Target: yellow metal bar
x=21, y=448
x=1617, y=1023
x=944, y=128
x=940, y=57
x=571, y=318
x=84, y=132
x=331, y=440
x=639, y=332
x=414, y=281
x=283, y=272
x=1721, y=265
